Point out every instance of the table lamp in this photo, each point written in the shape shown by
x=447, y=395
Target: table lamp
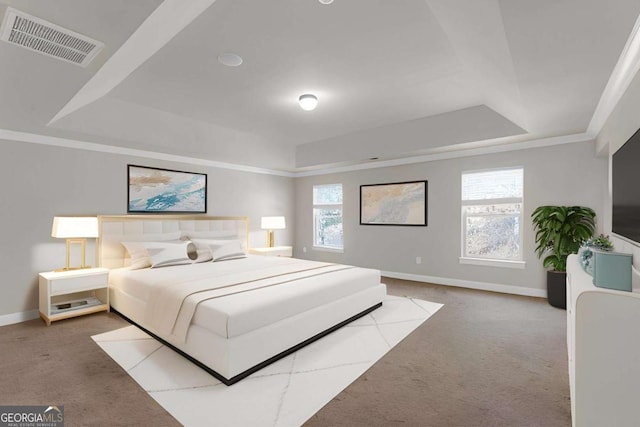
x=76, y=229
x=271, y=223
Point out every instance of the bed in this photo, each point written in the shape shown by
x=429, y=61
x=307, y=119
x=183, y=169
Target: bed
x=234, y=314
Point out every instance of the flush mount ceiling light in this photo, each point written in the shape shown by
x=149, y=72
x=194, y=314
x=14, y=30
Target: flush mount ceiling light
x=308, y=102
x=230, y=59
x=326, y=1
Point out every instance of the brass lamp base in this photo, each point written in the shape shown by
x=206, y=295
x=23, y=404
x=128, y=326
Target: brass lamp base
x=270, y=239
x=71, y=268
x=82, y=243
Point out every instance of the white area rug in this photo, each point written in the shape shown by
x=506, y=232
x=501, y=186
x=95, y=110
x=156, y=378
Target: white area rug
x=285, y=393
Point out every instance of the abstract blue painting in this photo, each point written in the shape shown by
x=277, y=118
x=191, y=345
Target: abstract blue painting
x=397, y=203
x=155, y=190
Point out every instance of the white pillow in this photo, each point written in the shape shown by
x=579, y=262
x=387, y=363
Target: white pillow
x=165, y=254
x=203, y=254
x=192, y=251
x=139, y=258
x=216, y=235
x=226, y=249
x=138, y=254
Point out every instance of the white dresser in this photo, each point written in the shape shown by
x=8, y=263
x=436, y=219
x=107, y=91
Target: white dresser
x=603, y=339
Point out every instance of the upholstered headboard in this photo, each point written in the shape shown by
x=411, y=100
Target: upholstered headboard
x=115, y=229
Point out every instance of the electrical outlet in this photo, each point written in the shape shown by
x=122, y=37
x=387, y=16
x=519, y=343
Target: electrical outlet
x=418, y=260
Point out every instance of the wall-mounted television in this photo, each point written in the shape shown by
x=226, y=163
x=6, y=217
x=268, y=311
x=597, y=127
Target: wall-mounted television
x=625, y=170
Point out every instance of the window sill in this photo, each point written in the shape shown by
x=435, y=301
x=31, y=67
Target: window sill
x=328, y=249
x=493, y=262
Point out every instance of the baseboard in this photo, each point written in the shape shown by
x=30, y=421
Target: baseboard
x=493, y=287
x=10, y=319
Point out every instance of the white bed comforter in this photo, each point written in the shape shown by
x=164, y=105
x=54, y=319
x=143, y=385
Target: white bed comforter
x=175, y=292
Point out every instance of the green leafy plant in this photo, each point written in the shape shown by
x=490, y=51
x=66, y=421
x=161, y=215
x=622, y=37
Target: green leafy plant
x=601, y=242
x=585, y=254
x=560, y=230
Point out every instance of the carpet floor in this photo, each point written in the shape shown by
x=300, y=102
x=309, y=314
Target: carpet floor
x=485, y=359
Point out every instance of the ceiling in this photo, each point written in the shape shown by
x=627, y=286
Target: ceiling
x=394, y=79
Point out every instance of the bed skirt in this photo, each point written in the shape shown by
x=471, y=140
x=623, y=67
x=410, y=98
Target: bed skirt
x=242, y=375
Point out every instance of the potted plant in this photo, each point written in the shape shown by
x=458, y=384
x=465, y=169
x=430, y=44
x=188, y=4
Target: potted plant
x=585, y=253
x=560, y=231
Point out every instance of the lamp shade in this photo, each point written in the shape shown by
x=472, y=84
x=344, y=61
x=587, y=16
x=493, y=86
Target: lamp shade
x=272, y=223
x=70, y=227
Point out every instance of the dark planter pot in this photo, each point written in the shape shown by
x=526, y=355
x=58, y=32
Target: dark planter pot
x=557, y=288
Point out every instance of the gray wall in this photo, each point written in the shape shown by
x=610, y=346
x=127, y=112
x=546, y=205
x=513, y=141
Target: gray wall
x=564, y=175
x=39, y=182
x=42, y=181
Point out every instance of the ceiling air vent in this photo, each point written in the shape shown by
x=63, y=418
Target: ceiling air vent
x=40, y=36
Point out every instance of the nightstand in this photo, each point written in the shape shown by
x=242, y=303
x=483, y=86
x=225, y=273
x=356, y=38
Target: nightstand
x=65, y=294
x=286, y=251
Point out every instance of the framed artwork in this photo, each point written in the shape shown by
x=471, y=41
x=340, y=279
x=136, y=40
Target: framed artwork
x=155, y=190
x=397, y=203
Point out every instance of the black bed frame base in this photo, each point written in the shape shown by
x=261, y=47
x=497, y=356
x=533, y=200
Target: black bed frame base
x=235, y=379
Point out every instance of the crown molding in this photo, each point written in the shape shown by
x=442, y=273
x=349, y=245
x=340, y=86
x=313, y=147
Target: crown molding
x=10, y=135
x=625, y=70
x=32, y=138
x=453, y=154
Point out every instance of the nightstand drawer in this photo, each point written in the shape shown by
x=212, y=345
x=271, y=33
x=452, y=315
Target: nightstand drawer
x=75, y=284
x=285, y=251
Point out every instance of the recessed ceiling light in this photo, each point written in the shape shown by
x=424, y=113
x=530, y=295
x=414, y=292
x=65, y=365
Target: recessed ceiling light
x=230, y=59
x=308, y=102
x=326, y=1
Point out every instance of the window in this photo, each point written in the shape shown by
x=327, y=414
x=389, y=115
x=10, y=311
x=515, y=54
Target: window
x=492, y=217
x=327, y=216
